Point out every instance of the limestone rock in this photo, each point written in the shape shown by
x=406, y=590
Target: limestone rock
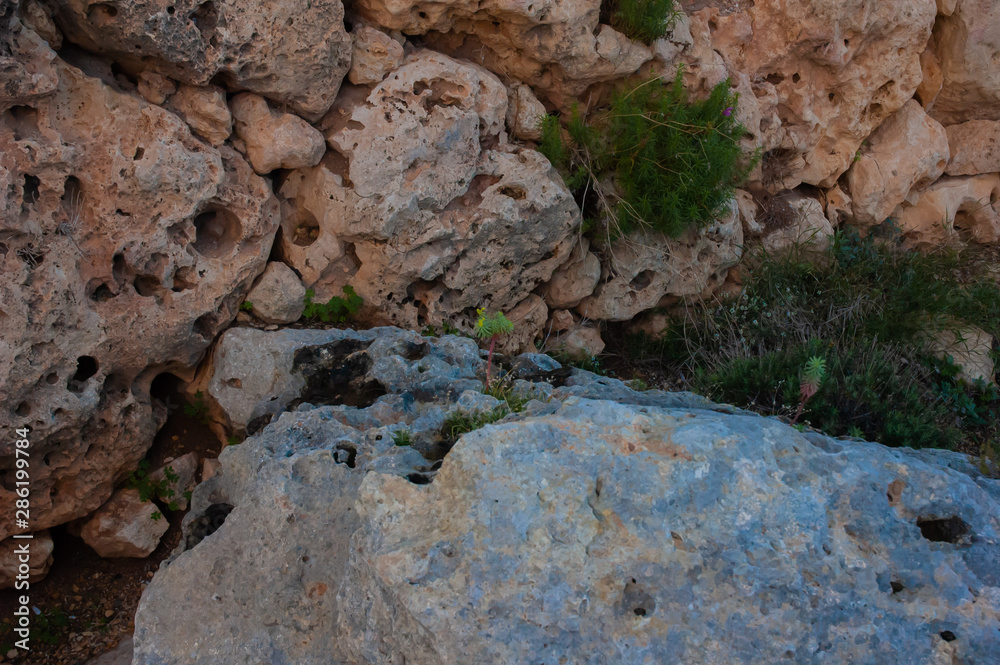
x=254, y=375
x=648, y=266
x=653, y=325
x=562, y=319
x=975, y=148
x=295, y=52
x=120, y=655
x=128, y=245
x=184, y=468
x=422, y=206
x=579, y=530
x=273, y=139
x=576, y=279
x=524, y=113
x=970, y=349
x=555, y=46
x=909, y=150
x=529, y=317
x=375, y=55
x=836, y=72
x=809, y=228
x=204, y=109
x=39, y=18
x=27, y=64
x=125, y=527
x=278, y=296
x=209, y=467
x=966, y=42
x=579, y=342
x=35, y=568
x=932, y=81
x=155, y=87
x=968, y=204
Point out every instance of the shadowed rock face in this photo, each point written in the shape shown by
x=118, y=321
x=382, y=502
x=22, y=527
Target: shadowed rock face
x=602, y=525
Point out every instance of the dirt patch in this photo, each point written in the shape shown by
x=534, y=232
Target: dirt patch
x=86, y=604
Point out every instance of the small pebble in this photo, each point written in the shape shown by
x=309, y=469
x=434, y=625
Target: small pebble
x=109, y=613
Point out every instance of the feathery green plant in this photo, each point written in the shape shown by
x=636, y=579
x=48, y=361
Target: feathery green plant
x=642, y=20
x=654, y=159
x=492, y=327
x=335, y=310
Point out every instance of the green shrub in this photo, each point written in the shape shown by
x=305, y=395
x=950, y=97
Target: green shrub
x=335, y=310
x=642, y=20
x=868, y=308
x=461, y=423
x=654, y=159
x=197, y=408
x=402, y=437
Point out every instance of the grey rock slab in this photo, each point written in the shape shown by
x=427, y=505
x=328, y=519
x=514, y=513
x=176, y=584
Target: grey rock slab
x=658, y=528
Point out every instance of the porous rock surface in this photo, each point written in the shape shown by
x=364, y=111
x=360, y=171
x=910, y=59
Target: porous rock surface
x=599, y=525
x=126, y=526
x=292, y=51
x=421, y=205
x=132, y=244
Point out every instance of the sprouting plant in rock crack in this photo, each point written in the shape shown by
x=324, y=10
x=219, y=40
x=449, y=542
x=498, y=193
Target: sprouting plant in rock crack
x=197, y=408
x=336, y=309
x=247, y=306
x=813, y=374
x=492, y=327
x=642, y=20
x=654, y=159
x=402, y=437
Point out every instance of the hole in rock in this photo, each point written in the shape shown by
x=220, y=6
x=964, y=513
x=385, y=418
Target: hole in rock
x=419, y=479
x=217, y=231
x=204, y=326
x=642, y=280
x=345, y=454
x=337, y=373
x=947, y=636
x=205, y=18
x=86, y=367
x=31, y=184
x=102, y=12
x=896, y=586
x=943, y=530
x=636, y=601
x=207, y=523
x=165, y=388
x=306, y=231
x=139, y=152
x=52, y=378
x=23, y=409
x=101, y=293
x=796, y=78
x=147, y=285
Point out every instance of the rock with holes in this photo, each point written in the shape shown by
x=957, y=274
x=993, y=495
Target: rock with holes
x=604, y=526
x=375, y=55
x=295, y=52
x=645, y=267
x=125, y=526
x=559, y=47
x=27, y=64
x=205, y=110
x=422, y=206
x=273, y=139
x=966, y=205
x=529, y=317
x=278, y=296
x=824, y=75
x=975, y=147
x=909, y=150
x=23, y=559
x=126, y=245
x=254, y=375
x=966, y=42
